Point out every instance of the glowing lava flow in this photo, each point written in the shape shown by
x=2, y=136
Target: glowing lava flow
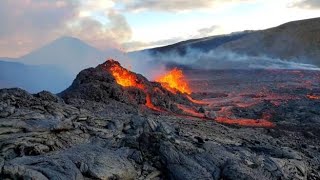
x=225, y=116
x=313, y=97
x=126, y=78
x=149, y=103
x=174, y=81
x=246, y=122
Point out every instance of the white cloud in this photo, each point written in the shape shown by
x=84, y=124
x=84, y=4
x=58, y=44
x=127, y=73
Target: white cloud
x=174, y=5
x=29, y=24
x=306, y=4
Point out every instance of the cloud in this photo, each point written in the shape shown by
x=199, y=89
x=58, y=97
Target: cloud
x=29, y=24
x=207, y=31
x=137, y=45
x=203, y=32
x=111, y=35
x=120, y=29
x=173, y=5
x=307, y=4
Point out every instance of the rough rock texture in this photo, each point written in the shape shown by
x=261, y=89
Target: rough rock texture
x=44, y=138
x=84, y=136
x=99, y=85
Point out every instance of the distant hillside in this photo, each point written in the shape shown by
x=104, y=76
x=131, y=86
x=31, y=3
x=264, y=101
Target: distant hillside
x=69, y=53
x=297, y=41
x=203, y=44
x=52, y=67
x=33, y=78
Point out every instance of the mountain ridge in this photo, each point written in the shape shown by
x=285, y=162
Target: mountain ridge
x=67, y=52
x=297, y=41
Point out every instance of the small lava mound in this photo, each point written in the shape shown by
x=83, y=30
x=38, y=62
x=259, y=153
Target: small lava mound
x=100, y=85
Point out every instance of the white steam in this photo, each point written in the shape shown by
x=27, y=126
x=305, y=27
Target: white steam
x=151, y=65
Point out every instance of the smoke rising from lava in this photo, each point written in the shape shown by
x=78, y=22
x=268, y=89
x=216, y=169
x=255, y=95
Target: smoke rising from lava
x=153, y=64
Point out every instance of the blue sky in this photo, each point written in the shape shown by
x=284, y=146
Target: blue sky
x=137, y=24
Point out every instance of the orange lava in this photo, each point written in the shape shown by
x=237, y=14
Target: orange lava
x=246, y=122
x=189, y=111
x=314, y=97
x=196, y=101
x=150, y=105
x=174, y=81
x=126, y=78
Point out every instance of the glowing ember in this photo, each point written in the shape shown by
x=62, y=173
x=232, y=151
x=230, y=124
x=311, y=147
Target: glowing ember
x=174, y=81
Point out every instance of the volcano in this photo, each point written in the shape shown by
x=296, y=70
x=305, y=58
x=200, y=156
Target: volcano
x=110, y=82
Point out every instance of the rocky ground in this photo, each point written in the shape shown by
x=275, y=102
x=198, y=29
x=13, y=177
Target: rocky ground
x=97, y=129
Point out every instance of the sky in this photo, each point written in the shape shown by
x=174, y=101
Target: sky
x=128, y=25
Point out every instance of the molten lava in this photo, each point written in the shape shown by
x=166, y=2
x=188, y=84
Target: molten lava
x=313, y=97
x=174, y=81
x=246, y=122
x=126, y=78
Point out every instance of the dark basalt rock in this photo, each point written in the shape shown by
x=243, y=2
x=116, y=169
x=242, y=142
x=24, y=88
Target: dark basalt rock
x=44, y=138
x=93, y=130
x=99, y=85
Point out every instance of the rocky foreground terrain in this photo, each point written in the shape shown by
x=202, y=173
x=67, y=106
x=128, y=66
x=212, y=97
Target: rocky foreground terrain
x=97, y=129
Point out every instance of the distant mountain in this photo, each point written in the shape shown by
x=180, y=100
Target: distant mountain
x=297, y=41
x=69, y=53
x=53, y=66
x=33, y=78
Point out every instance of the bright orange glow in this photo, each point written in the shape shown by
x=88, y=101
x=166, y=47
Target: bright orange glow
x=174, y=81
x=125, y=77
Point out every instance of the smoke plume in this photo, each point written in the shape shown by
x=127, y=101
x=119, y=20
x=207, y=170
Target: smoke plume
x=153, y=64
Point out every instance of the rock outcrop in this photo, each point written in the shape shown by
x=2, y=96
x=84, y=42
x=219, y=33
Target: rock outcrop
x=99, y=85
